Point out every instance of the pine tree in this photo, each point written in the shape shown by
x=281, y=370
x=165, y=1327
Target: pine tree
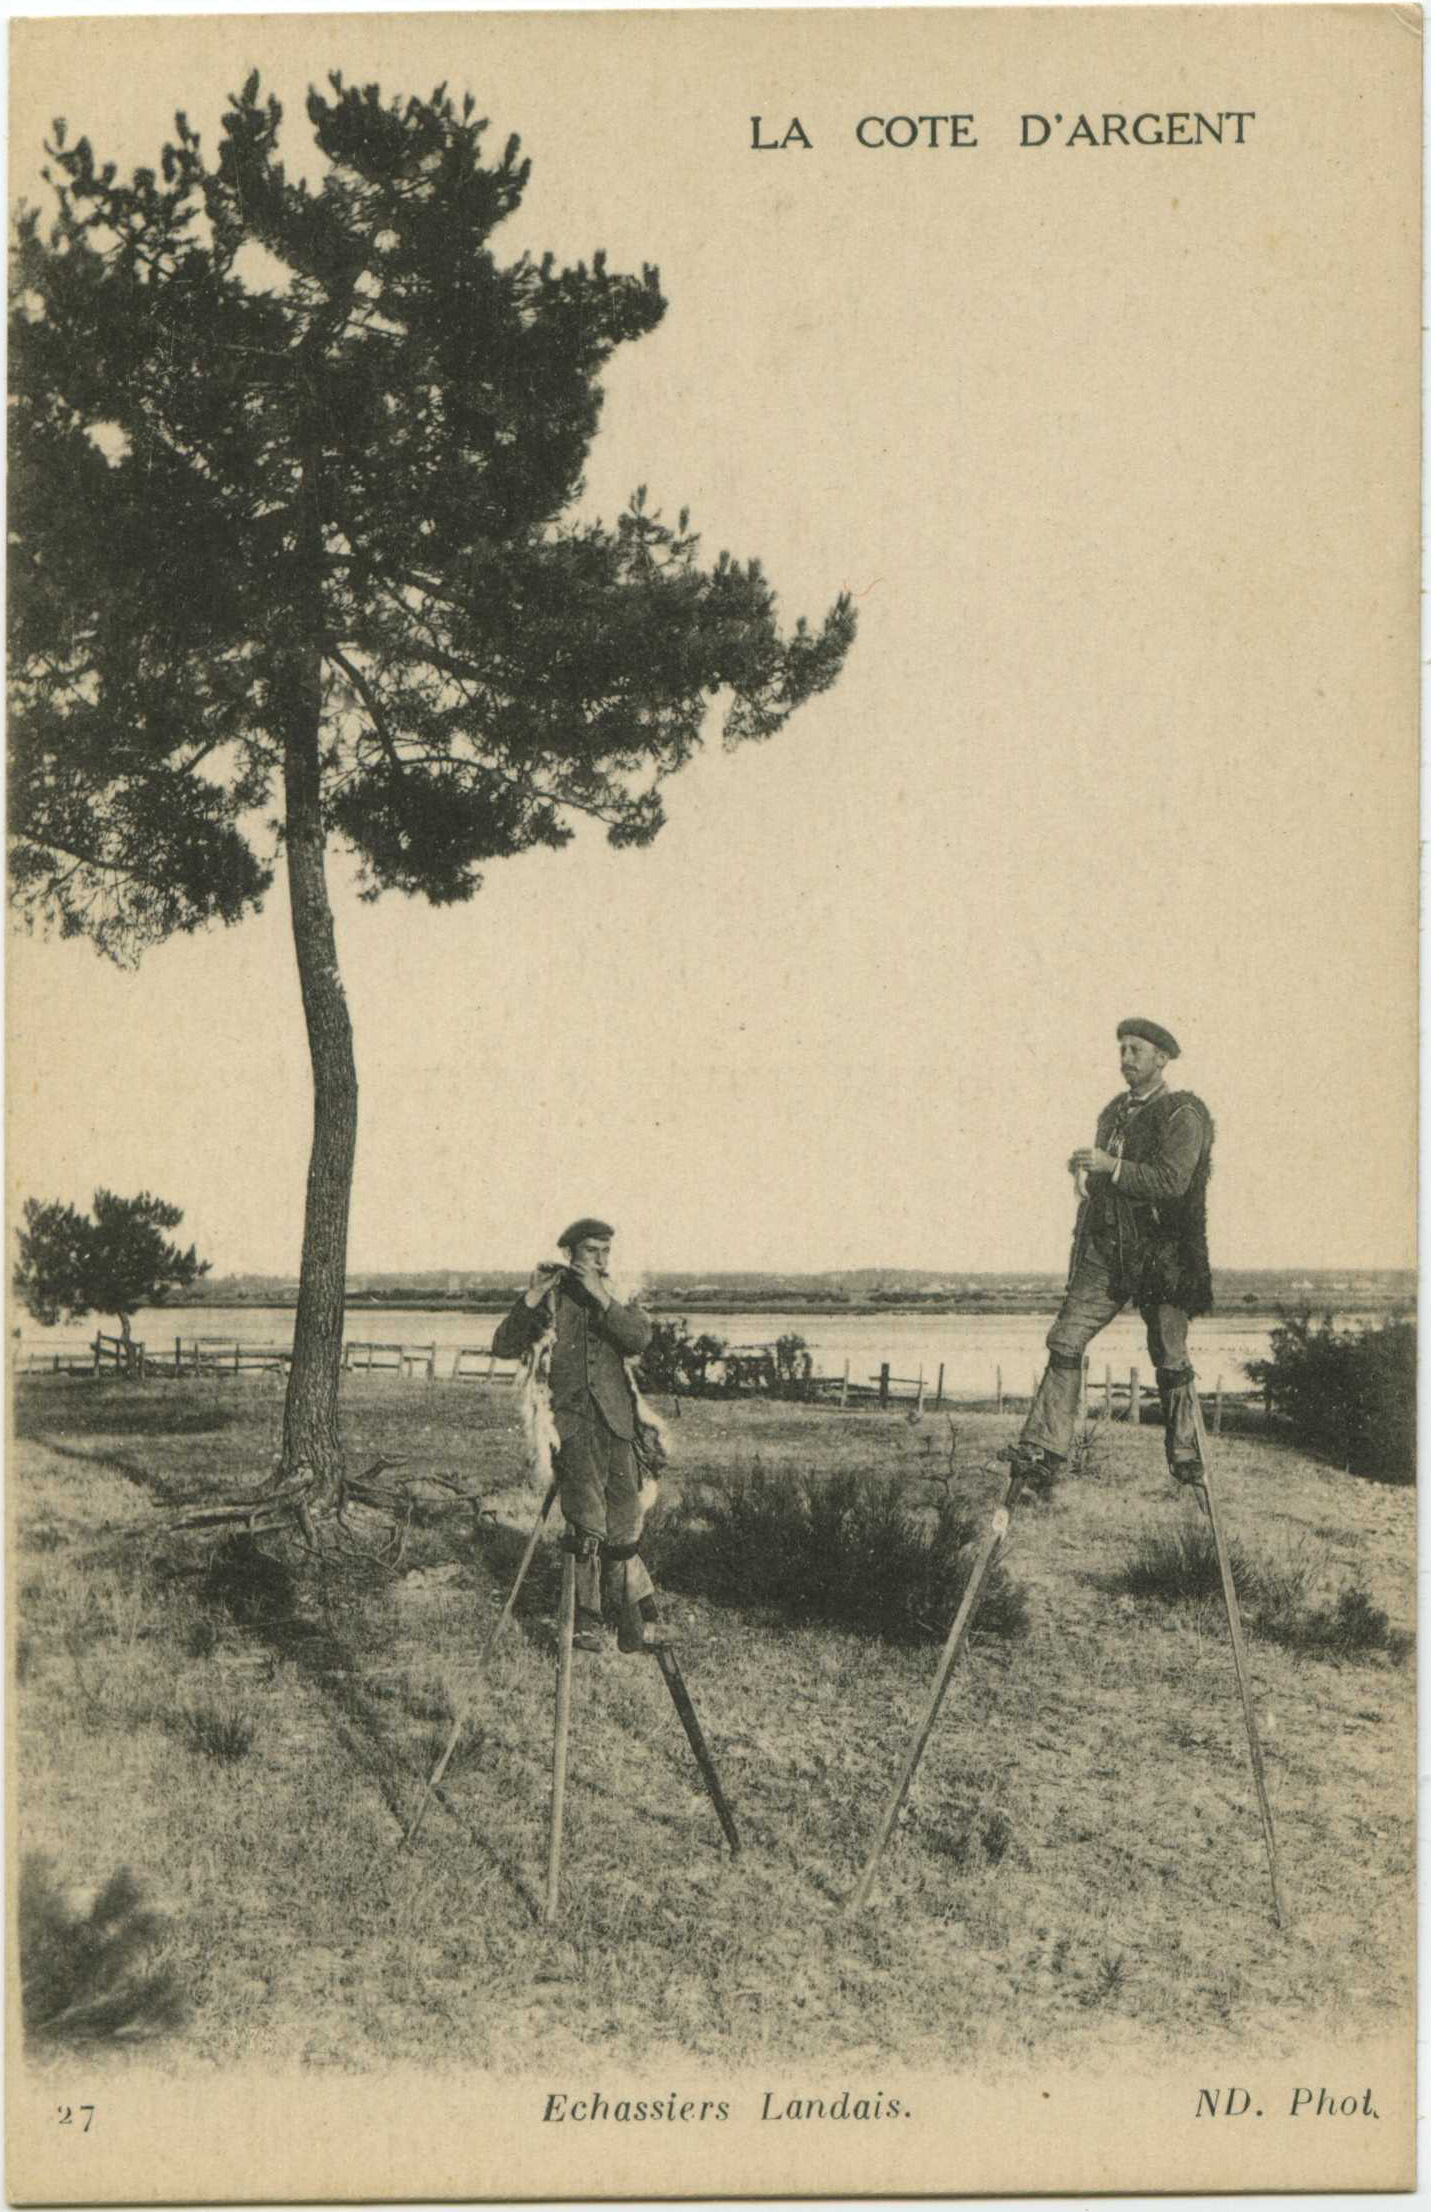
x=293, y=473
x=112, y=1260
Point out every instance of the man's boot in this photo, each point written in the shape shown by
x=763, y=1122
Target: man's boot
x=1038, y=1471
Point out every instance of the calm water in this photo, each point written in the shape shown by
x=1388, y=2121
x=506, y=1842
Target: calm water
x=971, y=1347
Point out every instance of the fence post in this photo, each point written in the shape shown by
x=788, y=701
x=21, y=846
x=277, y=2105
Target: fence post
x=939, y=1388
x=491, y=1365
x=845, y=1385
x=1083, y=1389
x=432, y=1361
x=1217, y=1410
x=919, y=1393
x=998, y=1390
x=143, y=1364
x=96, y=1351
x=1135, y=1397
x=1107, y=1393
x=884, y=1382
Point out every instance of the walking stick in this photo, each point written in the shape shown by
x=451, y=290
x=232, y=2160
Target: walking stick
x=483, y=1655
x=563, y=1731
x=1239, y=1660
x=954, y=1644
x=681, y=1697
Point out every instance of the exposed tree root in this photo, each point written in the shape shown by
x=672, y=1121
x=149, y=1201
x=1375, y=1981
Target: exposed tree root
x=318, y=1513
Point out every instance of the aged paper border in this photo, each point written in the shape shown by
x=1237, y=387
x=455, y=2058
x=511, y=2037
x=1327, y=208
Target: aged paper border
x=320, y=2138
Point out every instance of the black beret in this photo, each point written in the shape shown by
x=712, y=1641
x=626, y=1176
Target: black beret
x=1164, y=1039
x=581, y=1230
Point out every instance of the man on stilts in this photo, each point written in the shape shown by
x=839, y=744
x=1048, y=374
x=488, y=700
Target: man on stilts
x=1141, y=1237
x=581, y=1341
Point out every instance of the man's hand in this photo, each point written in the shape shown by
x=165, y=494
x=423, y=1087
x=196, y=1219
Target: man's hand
x=544, y=1278
x=1092, y=1160
x=586, y=1272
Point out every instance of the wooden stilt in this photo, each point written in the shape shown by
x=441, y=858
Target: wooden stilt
x=954, y=1644
x=435, y=1778
x=562, y=1733
x=1239, y=1663
x=681, y=1698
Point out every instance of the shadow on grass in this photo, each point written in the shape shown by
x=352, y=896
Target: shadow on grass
x=47, y=1406
x=316, y=1623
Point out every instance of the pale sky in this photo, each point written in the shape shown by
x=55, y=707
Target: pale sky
x=1118, y=452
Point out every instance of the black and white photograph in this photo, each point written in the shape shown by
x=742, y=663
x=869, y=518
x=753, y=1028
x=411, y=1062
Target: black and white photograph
x=712, y=1044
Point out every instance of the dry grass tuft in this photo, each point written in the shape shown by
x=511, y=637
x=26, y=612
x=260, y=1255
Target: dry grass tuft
x=1179, y=1566
x=220, y=1731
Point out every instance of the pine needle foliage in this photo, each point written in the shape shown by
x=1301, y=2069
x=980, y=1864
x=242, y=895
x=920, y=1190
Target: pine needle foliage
x=296, y=556
x=860, y=1551
x=92, y=1973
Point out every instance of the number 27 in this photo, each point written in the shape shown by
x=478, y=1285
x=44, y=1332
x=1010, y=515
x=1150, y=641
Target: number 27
x=67, y=2116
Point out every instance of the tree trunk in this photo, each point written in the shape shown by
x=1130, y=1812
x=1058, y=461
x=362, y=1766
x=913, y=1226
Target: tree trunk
x=311, y=1446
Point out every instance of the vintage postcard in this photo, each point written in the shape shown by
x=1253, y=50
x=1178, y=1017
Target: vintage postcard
x=712, y=1079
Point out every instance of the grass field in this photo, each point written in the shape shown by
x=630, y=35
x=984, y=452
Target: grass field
x=1080, y=1859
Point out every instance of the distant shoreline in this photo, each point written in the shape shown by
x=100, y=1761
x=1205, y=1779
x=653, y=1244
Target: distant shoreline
x=666, y=1305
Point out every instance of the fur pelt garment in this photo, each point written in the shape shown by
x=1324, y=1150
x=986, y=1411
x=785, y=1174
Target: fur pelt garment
x=534, y=1397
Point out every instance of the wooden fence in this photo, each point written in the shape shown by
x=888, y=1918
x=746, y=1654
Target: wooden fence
x=1110, y=1398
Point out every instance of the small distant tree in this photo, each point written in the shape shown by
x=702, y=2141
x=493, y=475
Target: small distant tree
x=112, y=1260
x=794, y=1366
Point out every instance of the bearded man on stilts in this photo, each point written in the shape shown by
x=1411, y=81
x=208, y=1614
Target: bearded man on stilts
x=589, y=1428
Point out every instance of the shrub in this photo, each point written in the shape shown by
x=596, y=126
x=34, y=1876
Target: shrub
x=87, y=1974
x=849, y=1550
x=675, y=1360
x=1347, y=1393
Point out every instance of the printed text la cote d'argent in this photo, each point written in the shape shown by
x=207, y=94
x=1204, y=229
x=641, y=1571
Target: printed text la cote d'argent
x=952, y=132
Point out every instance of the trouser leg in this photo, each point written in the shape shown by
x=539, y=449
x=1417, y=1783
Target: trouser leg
x=1168, y=1349
x=627, y=1579
x=1089, y=1304
x=601, y=1497
x=581, y=1476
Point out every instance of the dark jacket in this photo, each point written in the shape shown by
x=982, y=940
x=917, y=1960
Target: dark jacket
x=1153, y=1218
x=592, y=1346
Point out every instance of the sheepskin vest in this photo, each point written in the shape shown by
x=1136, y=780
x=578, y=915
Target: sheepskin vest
x=1158, y=1247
